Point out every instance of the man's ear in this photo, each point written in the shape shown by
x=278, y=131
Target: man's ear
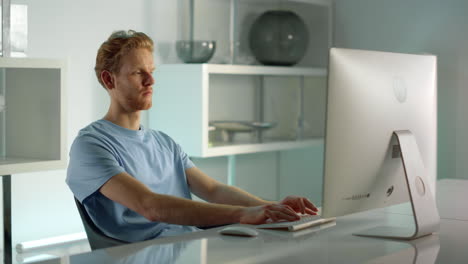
x=108, y=79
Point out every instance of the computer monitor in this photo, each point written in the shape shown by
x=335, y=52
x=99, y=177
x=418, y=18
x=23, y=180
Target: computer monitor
x=381, y=137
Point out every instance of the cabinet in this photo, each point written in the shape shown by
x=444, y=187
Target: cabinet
x=190, y=97
x=32, y=117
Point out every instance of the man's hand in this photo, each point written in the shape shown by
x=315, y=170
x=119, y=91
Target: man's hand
x=300, y=205
x=259, y=214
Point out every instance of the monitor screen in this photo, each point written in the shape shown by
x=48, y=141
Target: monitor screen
x=371, y=94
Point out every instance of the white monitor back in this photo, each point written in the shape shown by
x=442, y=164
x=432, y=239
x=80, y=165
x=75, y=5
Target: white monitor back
x=370, y=95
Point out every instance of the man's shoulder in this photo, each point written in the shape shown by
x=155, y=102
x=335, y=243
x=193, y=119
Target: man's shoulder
x=94, y=132
x=163, y=139
x=160, y=135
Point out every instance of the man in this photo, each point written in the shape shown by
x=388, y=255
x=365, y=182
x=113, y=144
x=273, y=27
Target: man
x=136, y=183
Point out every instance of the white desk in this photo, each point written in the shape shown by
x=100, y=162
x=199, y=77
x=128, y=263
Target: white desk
x=325, y=245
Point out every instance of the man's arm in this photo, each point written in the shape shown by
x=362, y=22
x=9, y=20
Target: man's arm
x=128, y=191
x=211, y=190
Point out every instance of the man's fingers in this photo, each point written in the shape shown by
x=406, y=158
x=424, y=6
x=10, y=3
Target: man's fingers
x=281, y=212
x=288, y=210
x=269, y=214
x=302, y=206
x=310, y=212
x=310, y=205
x=278, y=216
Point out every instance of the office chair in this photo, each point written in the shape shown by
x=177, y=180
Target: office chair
x=97, y=239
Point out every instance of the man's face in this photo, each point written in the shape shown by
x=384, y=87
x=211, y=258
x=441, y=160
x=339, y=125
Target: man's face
x=133, y=84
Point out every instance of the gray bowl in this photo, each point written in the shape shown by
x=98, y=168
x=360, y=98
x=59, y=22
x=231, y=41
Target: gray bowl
x=195, y=51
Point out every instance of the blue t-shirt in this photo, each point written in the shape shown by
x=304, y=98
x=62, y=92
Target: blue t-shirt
x=102, y=150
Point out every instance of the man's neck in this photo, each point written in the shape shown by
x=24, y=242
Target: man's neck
x=126, y=120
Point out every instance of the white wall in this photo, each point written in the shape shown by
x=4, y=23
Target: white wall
x=417, y=26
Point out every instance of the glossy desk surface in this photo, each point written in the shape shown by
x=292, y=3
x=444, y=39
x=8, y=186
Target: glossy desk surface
x=326, y=244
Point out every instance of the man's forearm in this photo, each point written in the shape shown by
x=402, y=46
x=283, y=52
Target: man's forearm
x=175, y=210
x=231, y=195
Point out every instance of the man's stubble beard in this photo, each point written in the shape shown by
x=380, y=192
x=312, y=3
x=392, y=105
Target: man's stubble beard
x=140, y=106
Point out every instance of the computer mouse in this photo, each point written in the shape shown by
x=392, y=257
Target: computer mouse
x=239, y=231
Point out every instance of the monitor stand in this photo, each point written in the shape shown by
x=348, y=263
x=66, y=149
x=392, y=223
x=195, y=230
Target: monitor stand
x=426, y=216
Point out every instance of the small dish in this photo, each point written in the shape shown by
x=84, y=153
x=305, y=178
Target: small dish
x=241, y=126
x=193, y=51
x=229, y=128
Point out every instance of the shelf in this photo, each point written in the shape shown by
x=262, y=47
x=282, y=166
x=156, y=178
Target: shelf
x=249, y=69
x=31, y=63
x=11, y=165
x=261, y=147
x=264, y=70
x=16, y=160
x=314, y=2
x=32, y=126
x=311, y=2
x=189, y=96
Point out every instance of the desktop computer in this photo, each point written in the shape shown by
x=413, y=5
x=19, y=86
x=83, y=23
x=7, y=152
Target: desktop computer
x=381, y=137
x=380, y=140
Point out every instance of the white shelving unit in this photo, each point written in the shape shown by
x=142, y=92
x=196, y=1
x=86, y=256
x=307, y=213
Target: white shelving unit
x=188, y=97
x=32, y=125
x=184, y=95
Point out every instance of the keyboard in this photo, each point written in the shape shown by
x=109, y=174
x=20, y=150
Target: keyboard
x=305, y=222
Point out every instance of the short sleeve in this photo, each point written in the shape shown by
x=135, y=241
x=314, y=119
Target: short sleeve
x=186, y=162
x=92, y=163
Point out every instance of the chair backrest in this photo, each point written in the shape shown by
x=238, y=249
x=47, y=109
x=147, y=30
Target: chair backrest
x=97, y=239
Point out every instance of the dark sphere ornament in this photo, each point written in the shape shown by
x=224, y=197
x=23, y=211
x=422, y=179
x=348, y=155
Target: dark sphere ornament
x=278, y=37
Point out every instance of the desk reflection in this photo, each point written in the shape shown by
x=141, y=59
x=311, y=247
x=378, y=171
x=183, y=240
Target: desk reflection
x=421, y=251
x=181, y=252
